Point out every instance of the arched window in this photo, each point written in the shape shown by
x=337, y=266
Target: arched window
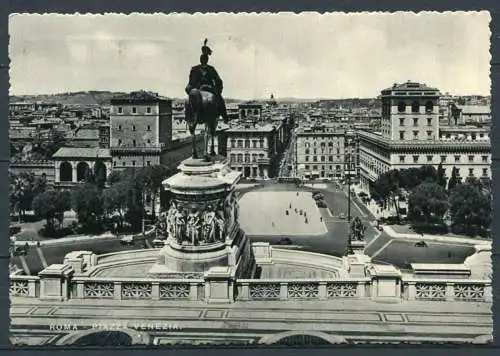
x=65, y=172
x=401, y=106
x=429, y=107
x=81, y=171
x=415, y=106
x=307, y=151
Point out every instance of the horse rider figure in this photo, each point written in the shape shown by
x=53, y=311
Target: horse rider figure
x=204, y=77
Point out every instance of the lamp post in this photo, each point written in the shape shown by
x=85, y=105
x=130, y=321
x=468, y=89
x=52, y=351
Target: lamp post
x=349, y=249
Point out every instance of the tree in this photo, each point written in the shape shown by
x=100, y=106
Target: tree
x=114, y=200
x=100, y=173
x=86, y=201
x=427, y=203
x=152, y=178
x=23, y=188
x=441, y=179
x=386, y=189
x=470, y=208
x=452, y=183
x=51, y=205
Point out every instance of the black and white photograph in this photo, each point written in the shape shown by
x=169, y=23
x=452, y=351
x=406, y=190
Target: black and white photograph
x=250, y=179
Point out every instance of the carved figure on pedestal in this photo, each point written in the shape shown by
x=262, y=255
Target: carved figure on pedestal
x=221, y=226
x=170, y=220
x=193, y=226
x=180, y=225
x=162, y=225
x=208, y=234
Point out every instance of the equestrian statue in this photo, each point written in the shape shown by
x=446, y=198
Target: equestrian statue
x=205, y=103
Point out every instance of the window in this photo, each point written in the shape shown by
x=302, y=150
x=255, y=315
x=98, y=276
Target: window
x=149, y=128
x=148, y=163
x=149, y=141
x=133, y=128
x=315, y=167
x=337, y=167
x=457, y=158
x=330, y=158
x=401, y=159
x=401, y=135
x=429, y=135
x=415, y=159
x=315, y=151
x=307, y=151
x=471, y=158
x=443, y=159
x=471, y=172
x=484, y=159
x=315, y=158
x=254, y=143
x=415, y=106
x=322, y=158
x=247, y=143
x=429, y=121
x=415, y=134
x=119, y=142
x=114, y=163
x=148, y=110
x=307, y=158
x=240, y=143
x=120, y=110
x=133, y=143
x=119, y=127
x=134, y=110
x=401, y=121
x=415, y=121
x=133, y=163
x=429, y=158
x=401, y=106
x=485, y=171
x=429, y=107
x=124, y=164
x=307, y=166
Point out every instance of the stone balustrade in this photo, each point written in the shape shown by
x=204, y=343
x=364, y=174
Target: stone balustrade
x=137, y=288
x=24, y=286
x=447, y=290
x=289, y=289
x=223, y=288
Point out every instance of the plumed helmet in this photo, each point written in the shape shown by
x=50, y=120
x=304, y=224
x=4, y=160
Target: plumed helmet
x=205, y=49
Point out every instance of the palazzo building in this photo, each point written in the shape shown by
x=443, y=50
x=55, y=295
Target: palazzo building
x=326, y=152
x=411, y=136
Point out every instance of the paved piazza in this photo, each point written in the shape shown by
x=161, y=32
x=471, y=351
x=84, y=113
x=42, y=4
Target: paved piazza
x=263, y=213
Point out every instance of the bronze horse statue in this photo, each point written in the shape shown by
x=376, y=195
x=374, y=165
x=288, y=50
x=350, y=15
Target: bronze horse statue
x=202, y=107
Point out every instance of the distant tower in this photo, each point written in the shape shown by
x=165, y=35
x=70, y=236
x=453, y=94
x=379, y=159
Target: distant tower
x=410, y=111
x=140, y=129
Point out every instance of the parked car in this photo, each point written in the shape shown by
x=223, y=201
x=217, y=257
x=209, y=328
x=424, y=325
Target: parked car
x=318, y=196
x=157, y=243
x=421, y=244
x=285, y=241
x=21, y=250
x=15, y=229
x=127, y=240
x=342, y=216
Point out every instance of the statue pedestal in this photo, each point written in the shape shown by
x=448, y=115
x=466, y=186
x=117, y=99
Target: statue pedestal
x=203, y=221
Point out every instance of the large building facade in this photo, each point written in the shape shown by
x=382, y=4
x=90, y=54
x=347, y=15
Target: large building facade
x=326, y=152
x=411, y=136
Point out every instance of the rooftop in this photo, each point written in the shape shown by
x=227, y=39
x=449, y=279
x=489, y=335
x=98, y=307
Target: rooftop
x=138, y=97
x=252, y=128
x=409, y=86
x=474, y=109
x=82, y=152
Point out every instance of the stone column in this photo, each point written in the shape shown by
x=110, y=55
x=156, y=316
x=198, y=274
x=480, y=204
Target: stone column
x=57, y=171
x=74, y=171
x=386, y=283
x=54, y=282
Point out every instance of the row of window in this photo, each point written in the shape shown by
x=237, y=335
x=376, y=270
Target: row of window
x=415, y=107
x=124, y=164
x=120, y=128
x=134, y=142
x=415, y=121
x=484, y=159
x=246, y=143
x=247, y=158
x=315, y=151
x=134, y=110
x=402, y=136
x=322, y=158
x=337, y=167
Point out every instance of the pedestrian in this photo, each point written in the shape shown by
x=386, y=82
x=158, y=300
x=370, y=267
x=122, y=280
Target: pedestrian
x=272, y=223
x=321, y=218
x=297, y=193
x=305, y=220
x=290, y=205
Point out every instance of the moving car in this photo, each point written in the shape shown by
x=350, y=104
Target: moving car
x=127, y=240
x=285, y=241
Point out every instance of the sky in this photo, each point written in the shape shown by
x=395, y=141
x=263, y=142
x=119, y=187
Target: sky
x=308, y=55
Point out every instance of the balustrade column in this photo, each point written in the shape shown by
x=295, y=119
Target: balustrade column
x=193, y=291
x=74, y=172
x=322, y=291
x=117, y=293
x=488, y=293
x=361, y=289
x=450, y=292
x=32, y=288
x=411, y=291
x=244, y=291
x=80, y=290
x=283, y=291
x=155, y=291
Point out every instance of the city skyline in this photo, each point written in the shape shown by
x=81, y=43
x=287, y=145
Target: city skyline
x=53, y=54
